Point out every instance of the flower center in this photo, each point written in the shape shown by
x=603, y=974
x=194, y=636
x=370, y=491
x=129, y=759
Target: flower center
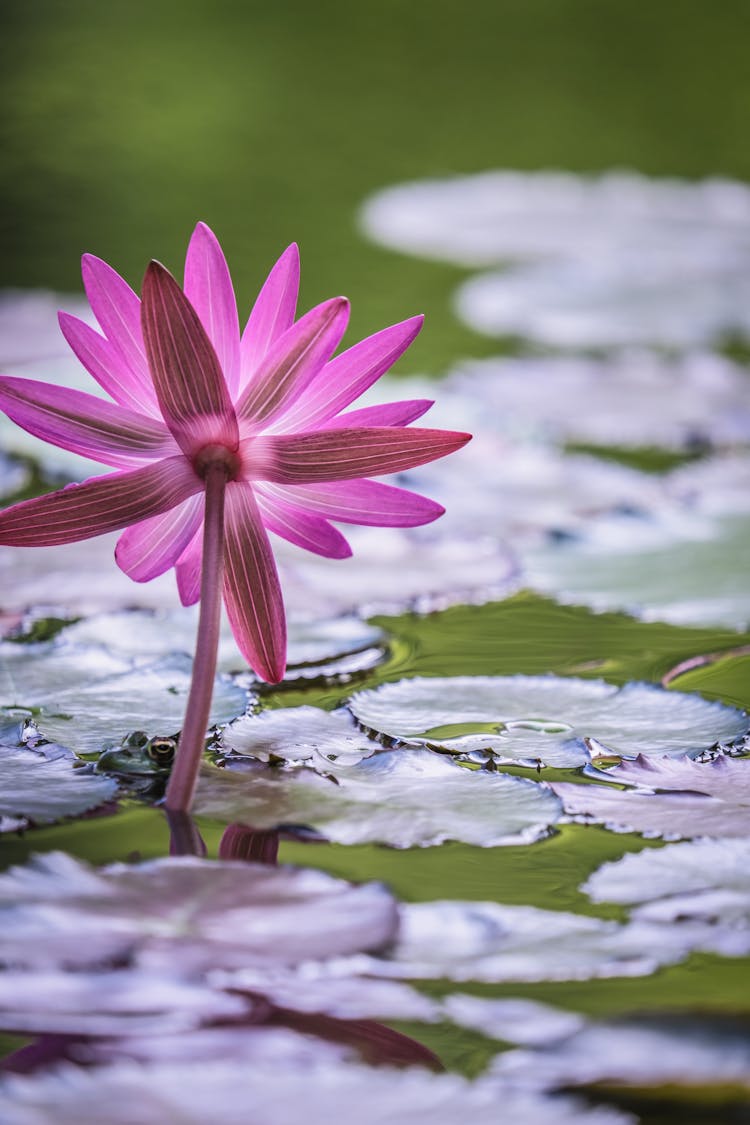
x=211, y=455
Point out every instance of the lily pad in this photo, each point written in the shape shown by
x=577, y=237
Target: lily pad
x=86, y=698
x=296, y=734
x=184, y=914
x=402, y=798
x=703, y=582
x=526, y=1022
x=674, y=797
x=552, y=719
x=705, y=882
x=38, y=787
x=152, y=1094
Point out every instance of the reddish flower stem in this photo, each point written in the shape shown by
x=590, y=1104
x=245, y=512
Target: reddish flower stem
x=184, y=776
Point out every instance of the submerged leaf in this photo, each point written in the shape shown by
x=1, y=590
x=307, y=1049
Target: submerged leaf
x=402, y=798
x=547, y=718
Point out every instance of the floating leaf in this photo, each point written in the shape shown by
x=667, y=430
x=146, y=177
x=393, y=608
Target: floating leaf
x=546, y=718
x=297, y=734
x=527, y=1022
x=86, y=698
x=675, y=797
x=402, y=798
x=183, y=914
x=237, y=1043
x=703, y=582
x=38, y=787
x=705, y=882
x=275, y=1095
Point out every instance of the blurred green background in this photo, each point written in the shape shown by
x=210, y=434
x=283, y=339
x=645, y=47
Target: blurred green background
x=127, y=120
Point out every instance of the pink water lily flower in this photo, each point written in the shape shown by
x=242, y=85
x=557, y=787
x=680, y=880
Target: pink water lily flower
x=218, y=437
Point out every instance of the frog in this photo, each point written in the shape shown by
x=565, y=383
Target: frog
x=139, y=756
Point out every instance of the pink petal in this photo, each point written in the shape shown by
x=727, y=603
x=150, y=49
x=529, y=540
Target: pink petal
x=252, y=593
x=272, y=313
x=294, y=360
x=285, y=518
x=151, y=547
x=189, y=383
x=329, y=455
x=84, y=423
x=350, y=374
x=106, y=503
x=389, y=414
x=188, y=570
x=118, y=310
x=208, y=287
x=361, y=501
x=107, y=365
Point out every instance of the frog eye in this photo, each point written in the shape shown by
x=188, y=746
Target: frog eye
x=136, y=740
x=161, y=749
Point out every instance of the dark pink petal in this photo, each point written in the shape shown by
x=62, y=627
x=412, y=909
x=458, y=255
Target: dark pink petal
x=349, y=375
x=106, y=363
x=285, y=518
x=389, y=414
x=188, y=570
x=85, y=424
x=252, y=593
x=151, y=547
x=189, y=382
x=118, y=310
x=293, y=361
x=361, y=501
x=272, y=313
x=101, y=504
x=208, y=287
x=327, y=455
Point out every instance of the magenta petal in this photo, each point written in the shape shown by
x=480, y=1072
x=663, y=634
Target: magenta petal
x=118, y=310
x=366, y=502
x=189, y=383
x=294, y=361
x=272, y=313
x=284, y=517
x=208, y=287
x=101, y=504
x=103, y=360
x=252, y=593
x=149, y=548
x=85, y=424
x=188, y=570
x=329, y=455
x=349, y=375
x=389, y=414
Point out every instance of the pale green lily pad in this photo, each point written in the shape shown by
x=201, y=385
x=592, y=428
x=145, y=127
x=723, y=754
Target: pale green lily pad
x=184, y=915
x=402, y=798
x=678, y=798
x=322, y=1091
x=704, y=883
x=699, y=582
x=39, y=787
x=552, y=719
x=313, y=645
x=87, y=698
x=296, y=734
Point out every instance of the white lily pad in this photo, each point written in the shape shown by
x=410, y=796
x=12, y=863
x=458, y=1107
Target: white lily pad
x=264, y=1046
x=703, y=582
x=717, y=486
x=184, y=914
x=526, y=1022
x=296, y=734
x=88, y=698
x=704, y=882
x=403, y=798
x=631, y=1053
x=38, y=788
x=680, y=798
x=123, y=1002
x=547, y=718
x=192, y=1095
x=491, y=942
x=312, y=644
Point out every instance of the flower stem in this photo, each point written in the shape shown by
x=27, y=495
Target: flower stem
x=182, y=783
